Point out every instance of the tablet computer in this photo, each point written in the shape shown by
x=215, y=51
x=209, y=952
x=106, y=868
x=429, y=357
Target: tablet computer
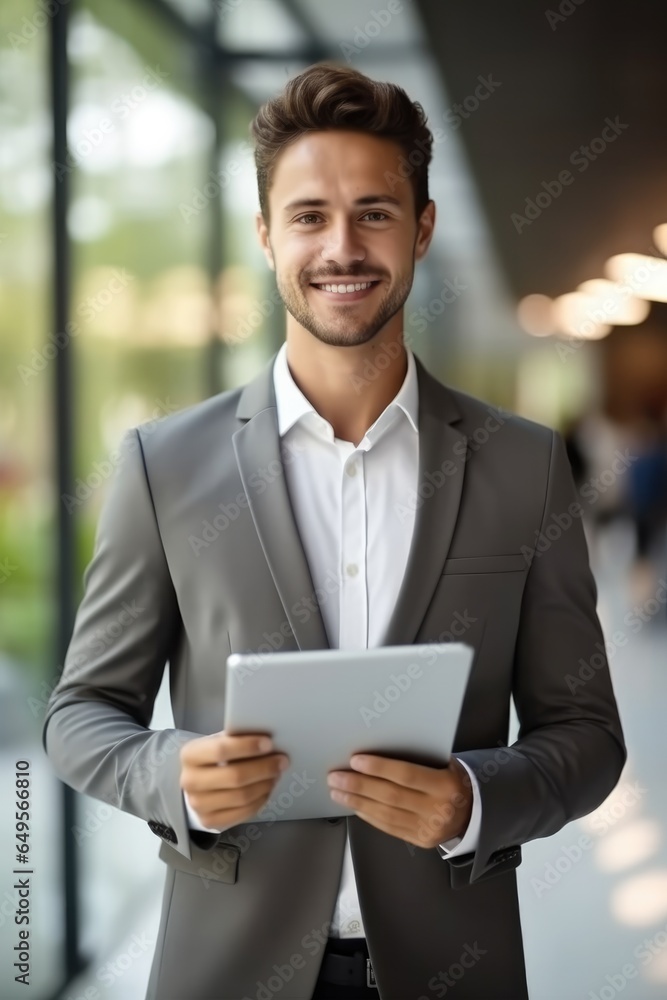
x=321, y=706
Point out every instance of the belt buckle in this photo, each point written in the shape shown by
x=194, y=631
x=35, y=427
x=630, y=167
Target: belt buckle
x=370, y=975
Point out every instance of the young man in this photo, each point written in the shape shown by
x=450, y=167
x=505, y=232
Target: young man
x=363, y=503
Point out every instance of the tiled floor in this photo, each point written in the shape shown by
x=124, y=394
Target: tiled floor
x=594, y=910
x=594, y=896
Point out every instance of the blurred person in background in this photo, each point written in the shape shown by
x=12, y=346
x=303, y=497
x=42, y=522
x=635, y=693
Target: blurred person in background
x=618, y=453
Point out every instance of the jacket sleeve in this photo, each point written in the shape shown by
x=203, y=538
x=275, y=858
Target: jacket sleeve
x=570, y=749
x=96, y=731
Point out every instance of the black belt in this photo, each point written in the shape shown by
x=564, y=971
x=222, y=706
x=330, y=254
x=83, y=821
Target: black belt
x=346, y=963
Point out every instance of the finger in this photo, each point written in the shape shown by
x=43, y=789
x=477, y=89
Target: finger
x=247, y=745
x=232, y=775
x=402, y=833
x=226, y=818
x=222, y=747
x=400, y=823
x=385, y=792
x=415, y=776
x=389, y=815
x=390, y=822
x=440, y=813
x=229, y=798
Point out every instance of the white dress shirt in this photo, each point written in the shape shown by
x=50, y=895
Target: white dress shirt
x=344, y=499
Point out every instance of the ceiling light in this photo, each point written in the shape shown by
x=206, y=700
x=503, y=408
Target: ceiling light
x=660, y=237
x=536, y=316
x=615, y=303
x=576, y=316
x=646, y=276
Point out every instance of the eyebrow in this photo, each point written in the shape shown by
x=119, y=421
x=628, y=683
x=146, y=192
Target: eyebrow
x=369, y=199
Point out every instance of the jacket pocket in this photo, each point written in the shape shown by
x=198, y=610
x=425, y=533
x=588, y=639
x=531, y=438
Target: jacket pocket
x=218, y=865
x=512, y=563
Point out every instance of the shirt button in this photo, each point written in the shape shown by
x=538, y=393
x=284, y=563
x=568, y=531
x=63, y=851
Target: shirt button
x=352, y=569
x=352, y=469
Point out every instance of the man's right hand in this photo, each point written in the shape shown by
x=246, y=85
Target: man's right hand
x=227, y=778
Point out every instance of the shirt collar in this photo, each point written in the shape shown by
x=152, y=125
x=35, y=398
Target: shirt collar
x=292, y=405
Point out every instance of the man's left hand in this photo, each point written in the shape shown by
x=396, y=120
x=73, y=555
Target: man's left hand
x=425, y=806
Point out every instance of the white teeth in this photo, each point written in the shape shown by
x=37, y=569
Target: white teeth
x=343, y=289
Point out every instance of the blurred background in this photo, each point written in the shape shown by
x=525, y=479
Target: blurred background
x=131, y=285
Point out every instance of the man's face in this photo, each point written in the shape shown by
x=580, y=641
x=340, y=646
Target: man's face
x=329, y=237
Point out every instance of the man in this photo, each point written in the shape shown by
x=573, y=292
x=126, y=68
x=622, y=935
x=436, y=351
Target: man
x=435, y=516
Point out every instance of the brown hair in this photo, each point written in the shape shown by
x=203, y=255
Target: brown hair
x=328, y=95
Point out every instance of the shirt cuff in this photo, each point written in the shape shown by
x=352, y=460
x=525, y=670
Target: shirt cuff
x=193, y=819
x=467, y=844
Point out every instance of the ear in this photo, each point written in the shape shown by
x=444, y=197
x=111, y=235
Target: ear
x=425, y=229
x=264, y=241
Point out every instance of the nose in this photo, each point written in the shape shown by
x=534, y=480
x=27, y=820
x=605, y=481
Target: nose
x=341, y=244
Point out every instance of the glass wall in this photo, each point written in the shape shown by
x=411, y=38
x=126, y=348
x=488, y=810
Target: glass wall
x=27, y=501
x=139, y=143
x=170, y=300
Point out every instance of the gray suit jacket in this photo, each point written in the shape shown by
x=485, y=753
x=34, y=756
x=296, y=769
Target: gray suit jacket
x=197, y=555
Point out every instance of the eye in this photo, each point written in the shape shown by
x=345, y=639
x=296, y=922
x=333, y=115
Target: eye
x=313, y=215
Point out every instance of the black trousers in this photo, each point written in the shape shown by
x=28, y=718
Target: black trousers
x=331, y=991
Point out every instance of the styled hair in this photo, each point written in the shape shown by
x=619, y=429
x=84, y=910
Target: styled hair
x=329, y=95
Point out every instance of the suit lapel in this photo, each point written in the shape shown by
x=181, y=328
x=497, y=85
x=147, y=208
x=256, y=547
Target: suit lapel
x=442, y=450
x=257, y=446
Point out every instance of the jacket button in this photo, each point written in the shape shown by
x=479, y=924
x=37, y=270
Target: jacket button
x=160, y=830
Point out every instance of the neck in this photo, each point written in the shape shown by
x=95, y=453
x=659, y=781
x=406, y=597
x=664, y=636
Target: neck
x=351, y=386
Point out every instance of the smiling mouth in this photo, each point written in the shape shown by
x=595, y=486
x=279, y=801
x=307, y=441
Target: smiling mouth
x=345, y=291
